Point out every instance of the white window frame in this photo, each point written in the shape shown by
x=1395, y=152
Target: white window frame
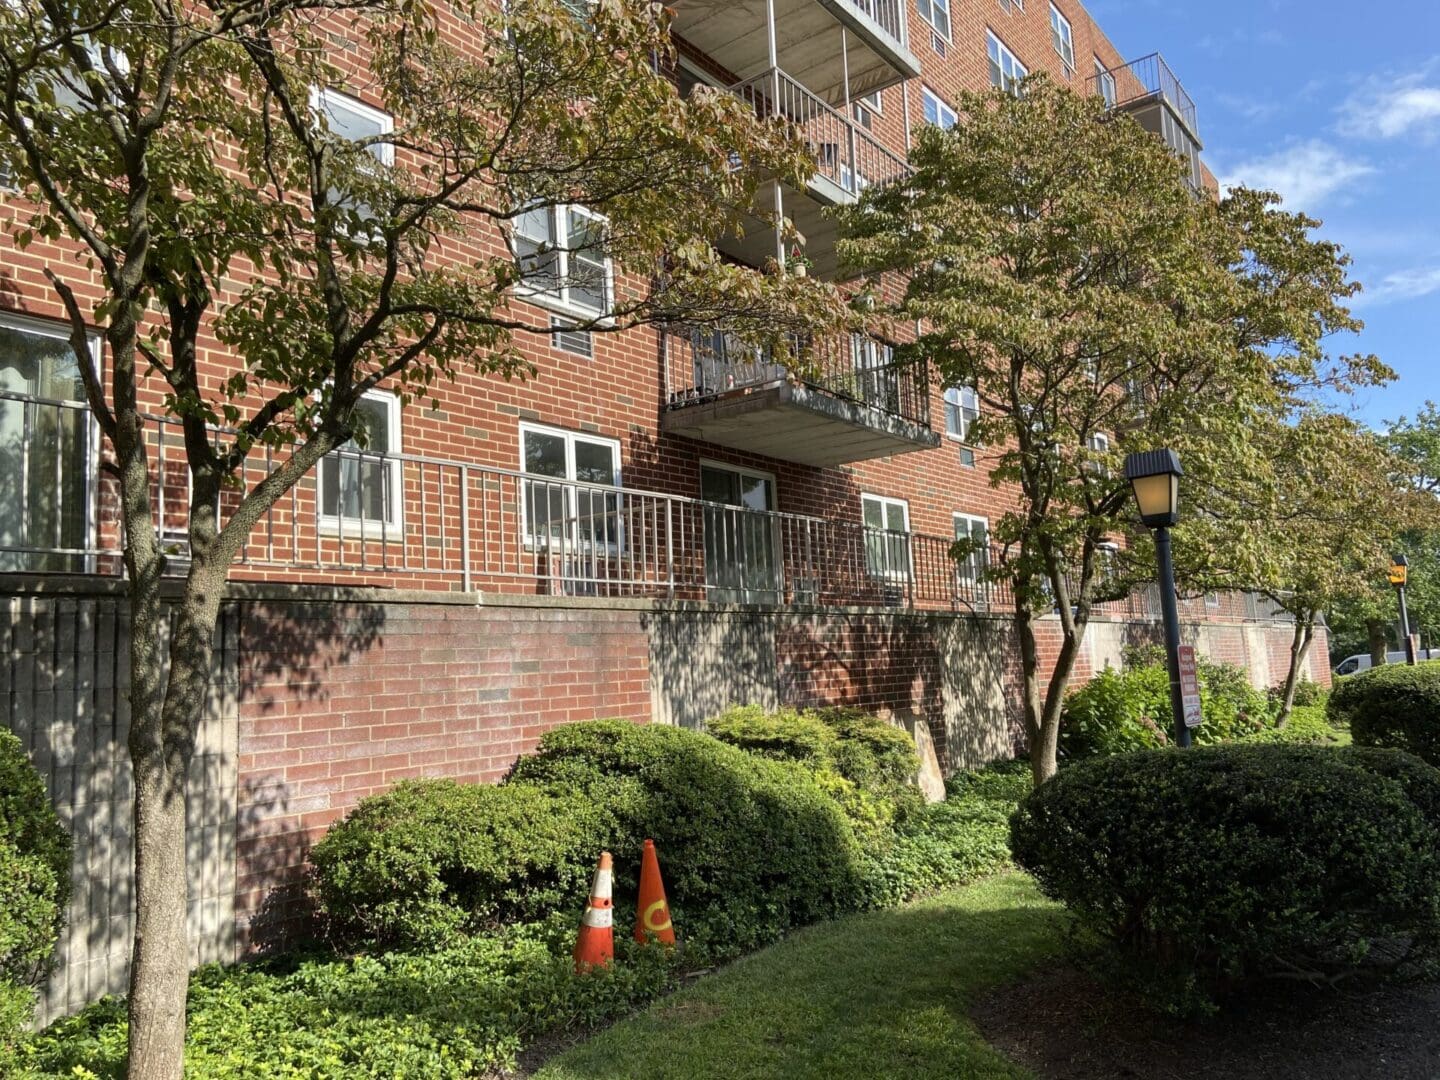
x=390, y=528
x=1212, y=600
x=922, y=6
x=558, y=298
x=568, y=544
x=1105, y=83
x=1062, y=37
x=942, y=110
x=892, y=574
x=323, y=98
x=1004, y=52
x=977, y=561
x=1098, y=442
x=26, y=324
x=959, y=392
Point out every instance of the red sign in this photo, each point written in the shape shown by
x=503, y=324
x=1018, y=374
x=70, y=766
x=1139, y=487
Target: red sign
x=1190, y=686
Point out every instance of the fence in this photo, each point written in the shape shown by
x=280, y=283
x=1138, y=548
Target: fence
x=888, y=14
x=845, y=153
x=703, y=365
x=1151, y=76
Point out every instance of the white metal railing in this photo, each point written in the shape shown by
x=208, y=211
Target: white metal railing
x=1150, y=77
x=889, y=15
x=845, y=153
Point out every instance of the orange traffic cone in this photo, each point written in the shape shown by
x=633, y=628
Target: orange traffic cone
x=595, y=947
x=652, y=915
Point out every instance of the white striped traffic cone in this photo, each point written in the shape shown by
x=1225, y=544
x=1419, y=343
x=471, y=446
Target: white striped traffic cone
x=595, y=947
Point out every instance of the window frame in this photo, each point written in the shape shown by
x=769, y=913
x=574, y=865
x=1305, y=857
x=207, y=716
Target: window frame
x=568, y=544
x=48, y=328
x=1104, y=77
x=1004, y=51
x=323, y=97
x=1057, y=21
x=941, y=108
x=364, y=528
x=983, y=561
x=931, y=5
x=963, y=436
x=558, y=299
x=889, y=574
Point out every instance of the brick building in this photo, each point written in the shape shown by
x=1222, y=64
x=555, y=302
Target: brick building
x=654, y=526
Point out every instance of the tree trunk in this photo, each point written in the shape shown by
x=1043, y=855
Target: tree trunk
x=1043, y=710
x=1299, y=649
x=1378, y=631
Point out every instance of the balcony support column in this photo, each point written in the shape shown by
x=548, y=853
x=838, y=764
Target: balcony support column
x=849, y=112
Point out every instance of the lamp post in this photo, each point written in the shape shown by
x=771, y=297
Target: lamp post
x=1154, y=476
x=1399, y=577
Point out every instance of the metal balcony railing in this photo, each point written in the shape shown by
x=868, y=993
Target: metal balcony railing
x=888, y=14
x=845, y=154
x=1151, y=77
x=702, y=365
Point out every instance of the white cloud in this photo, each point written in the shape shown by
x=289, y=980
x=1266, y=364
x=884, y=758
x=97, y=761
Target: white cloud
x=1304, y=174
x=1391, y=106
x=1408, y=284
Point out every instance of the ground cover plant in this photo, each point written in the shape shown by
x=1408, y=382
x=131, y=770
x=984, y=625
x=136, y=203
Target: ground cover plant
x=1222, y=864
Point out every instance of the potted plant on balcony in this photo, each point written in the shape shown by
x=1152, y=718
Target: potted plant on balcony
x=798, y=264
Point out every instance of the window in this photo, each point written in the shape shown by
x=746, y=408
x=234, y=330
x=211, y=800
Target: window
x=561, y=252
x=877, y=382
x=1060, y=38
x=47, y=448
x=360, y=490
x=887, y=536
x=1005, y=70
x=1105, y=84
x=352, y=120
x=1099, y=444
x=977, y=531
x=559, y=512
x=937, y=14
x=1013, y=5
x=962, y=409
x=936, y=111
x=1212, y=599
x=742, y=540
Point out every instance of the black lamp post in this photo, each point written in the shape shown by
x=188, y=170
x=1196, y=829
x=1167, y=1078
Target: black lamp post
x=1154, y=476
x=1399, y=577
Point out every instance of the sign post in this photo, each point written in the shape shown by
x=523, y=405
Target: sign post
x=1190, y=687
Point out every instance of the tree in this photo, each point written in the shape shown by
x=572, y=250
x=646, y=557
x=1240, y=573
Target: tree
x=1309, y=525
x=1056, y=260
x=180, y=148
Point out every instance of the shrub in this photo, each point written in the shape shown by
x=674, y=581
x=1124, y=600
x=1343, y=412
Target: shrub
x=1307, y=724
x=432, y=858
x=1395, y=705
x=748, y=847
x=951, y=842
x=1222, y=863
x=34, y=884
x=866, y=765
x=1309, y=694
x=1116, y=712
x=464, y=1011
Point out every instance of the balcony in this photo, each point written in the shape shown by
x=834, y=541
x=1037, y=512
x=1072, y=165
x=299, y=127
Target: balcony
x=818, y=41
x=1150, y=92
x=847, y=160
x=853, y=401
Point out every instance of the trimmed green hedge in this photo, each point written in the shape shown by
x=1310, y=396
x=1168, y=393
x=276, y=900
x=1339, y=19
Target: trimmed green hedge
x=1222, y=863
x=431, y=859
x=749, y=847
x=34, y=885
x=1396, y=705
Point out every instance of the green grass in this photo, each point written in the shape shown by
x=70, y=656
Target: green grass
x=878, y=995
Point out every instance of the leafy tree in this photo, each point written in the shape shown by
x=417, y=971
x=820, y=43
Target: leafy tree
x=177, y=147
x=1308, y=525
x=1057, y=261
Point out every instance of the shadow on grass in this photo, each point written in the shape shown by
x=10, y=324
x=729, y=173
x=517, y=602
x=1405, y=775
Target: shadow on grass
x=879, y=995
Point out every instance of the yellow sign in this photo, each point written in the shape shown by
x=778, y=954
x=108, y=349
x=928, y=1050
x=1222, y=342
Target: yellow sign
x=1397, y=573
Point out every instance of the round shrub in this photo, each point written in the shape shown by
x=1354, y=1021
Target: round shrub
x=864, y=763
x=430, y=859
x=1221, y=863
x=34, y=883
x=1395, y=705
x=749, y=848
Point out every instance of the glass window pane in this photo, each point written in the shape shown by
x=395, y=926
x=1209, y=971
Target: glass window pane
x=719, y=486
x=594, y=462
x=874, y=514
x=895, y=517
x=544, y=454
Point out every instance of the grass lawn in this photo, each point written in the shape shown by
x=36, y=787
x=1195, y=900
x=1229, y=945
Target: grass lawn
x=877, y=995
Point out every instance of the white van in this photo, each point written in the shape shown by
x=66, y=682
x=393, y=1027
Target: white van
x=1361, y=661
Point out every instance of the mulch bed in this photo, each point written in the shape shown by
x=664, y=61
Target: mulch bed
x=1063, y=1025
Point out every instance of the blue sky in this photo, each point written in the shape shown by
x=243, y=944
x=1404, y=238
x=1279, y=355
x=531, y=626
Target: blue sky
x=1336, y=105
